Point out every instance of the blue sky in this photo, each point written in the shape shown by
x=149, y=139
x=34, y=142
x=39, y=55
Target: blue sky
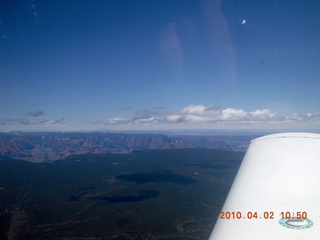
x=143, y=65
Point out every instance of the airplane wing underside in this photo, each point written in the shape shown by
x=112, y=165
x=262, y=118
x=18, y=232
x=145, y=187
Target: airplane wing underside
x=276, y=193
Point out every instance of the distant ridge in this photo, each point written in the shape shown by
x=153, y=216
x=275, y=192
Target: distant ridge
x=41, y=147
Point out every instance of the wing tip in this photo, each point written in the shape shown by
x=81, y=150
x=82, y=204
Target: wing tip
x=288, y=135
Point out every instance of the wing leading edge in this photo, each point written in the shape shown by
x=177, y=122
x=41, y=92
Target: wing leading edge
x=276, y=193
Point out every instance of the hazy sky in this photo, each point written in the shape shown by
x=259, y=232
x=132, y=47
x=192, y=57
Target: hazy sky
x=160, y=64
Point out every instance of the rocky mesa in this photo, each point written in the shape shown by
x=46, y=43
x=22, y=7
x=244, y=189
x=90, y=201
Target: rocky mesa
x=40, y=147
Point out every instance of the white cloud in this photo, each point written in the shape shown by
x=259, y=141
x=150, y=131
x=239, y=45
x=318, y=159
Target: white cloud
x=31, y=121
x=117, y=121
x=32, y=124
x=173, y=118
x=194, y=109
x=194, y=114
x=263, y=114
x=209, y=114
x=308, y=117
x=231, y=114
x=147, y=120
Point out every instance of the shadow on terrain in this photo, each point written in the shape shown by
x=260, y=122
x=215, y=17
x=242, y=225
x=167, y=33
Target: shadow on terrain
x=141, y=196
x=217, y=166
x=122, y=222
x=156, y=177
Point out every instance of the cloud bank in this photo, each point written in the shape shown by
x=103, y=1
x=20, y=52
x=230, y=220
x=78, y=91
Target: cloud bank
x=190, y=117
x=210, y=116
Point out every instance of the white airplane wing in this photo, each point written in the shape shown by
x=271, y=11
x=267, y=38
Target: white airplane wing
x=276, y=193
